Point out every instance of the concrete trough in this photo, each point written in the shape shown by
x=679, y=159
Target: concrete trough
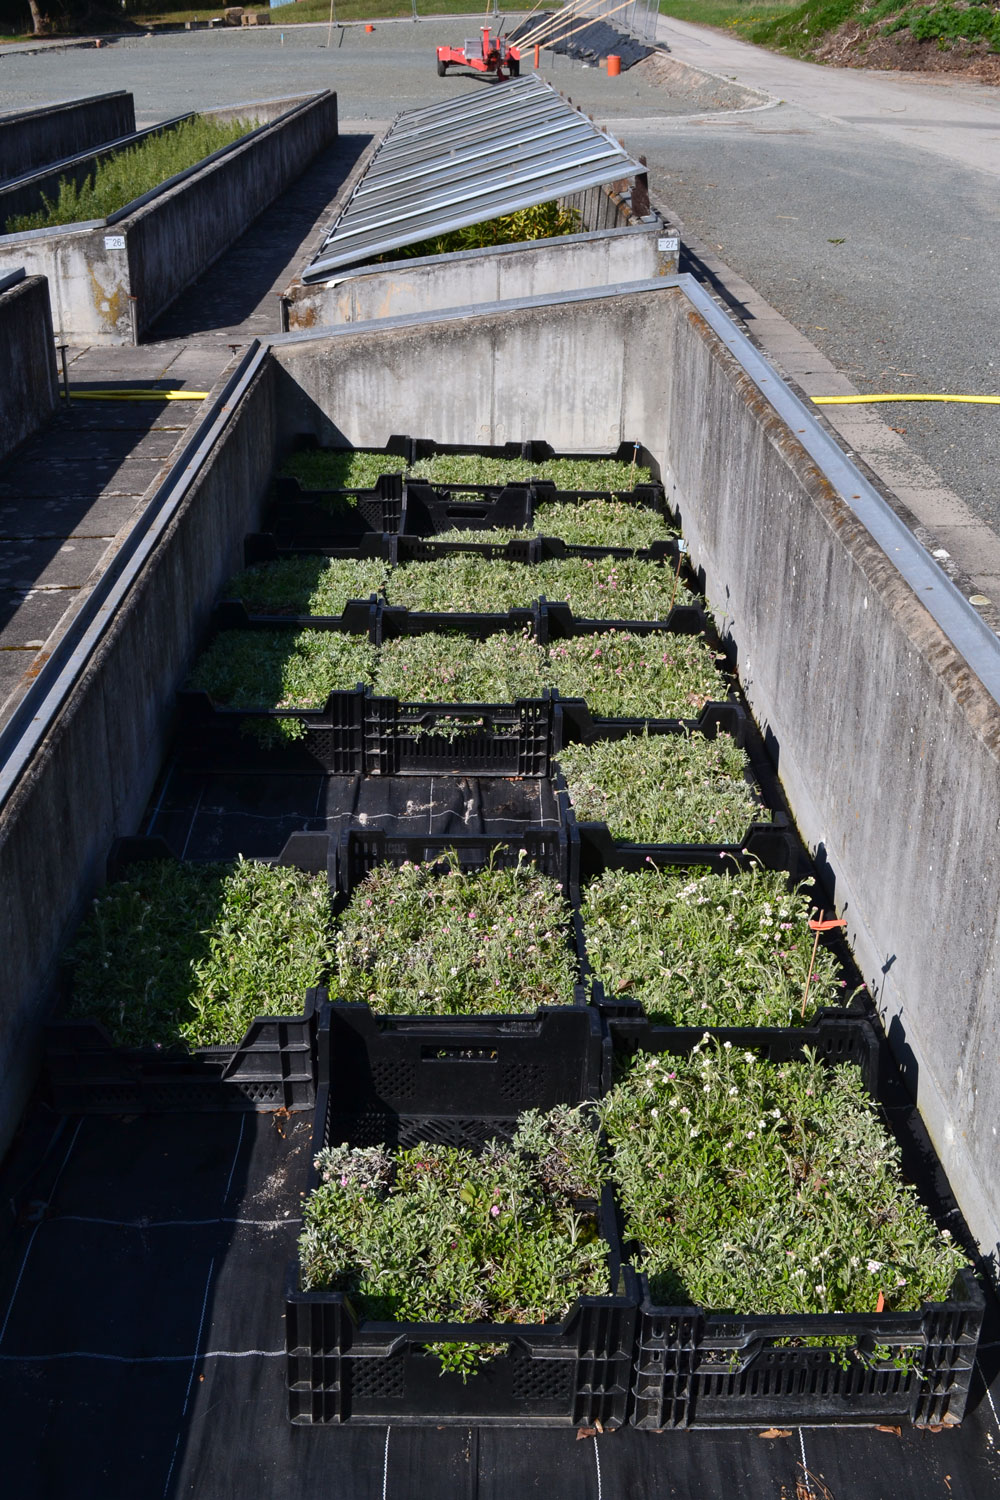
x=29, y=389
x=111, y=279
x=875, y=682
x=33, y=137
x=479, y=278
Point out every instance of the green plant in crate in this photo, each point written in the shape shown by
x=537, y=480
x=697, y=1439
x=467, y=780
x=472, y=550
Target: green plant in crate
x=451, y=668
x=762, y=1188
x=416, y=940
x=622, y=675
x=663, y=789
x=307, y=585
x=255, y=669
x=130, y=173
x=438, y=1234
x=340, y=468
x=566, y=473
x=708, y=950
x=588, y=523
x=623, y=589
x=192, y=953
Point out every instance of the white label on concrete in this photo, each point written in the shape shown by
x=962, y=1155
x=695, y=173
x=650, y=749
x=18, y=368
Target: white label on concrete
x=668, y=246
x=116, y=242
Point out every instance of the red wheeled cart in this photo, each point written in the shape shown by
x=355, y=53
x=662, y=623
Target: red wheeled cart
x=494, y=55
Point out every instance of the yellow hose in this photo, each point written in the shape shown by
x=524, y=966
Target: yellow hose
x=137, y=395
x=857, y=400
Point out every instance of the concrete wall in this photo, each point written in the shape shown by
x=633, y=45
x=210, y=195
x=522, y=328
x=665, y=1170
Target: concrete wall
x=92, y=778
x=478, y=278
x=34, y=137
x=110, y=281
x=29, y=389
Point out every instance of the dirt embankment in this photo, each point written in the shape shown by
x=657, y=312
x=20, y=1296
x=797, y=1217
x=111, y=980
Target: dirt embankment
x=853, y=45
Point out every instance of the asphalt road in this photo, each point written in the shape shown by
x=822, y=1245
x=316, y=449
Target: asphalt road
x=866, y=212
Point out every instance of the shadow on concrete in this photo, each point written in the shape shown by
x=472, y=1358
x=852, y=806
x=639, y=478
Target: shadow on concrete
x=238, y=295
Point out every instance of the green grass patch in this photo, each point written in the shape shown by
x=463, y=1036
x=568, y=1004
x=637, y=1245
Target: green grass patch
x=760, y=1188
x=128, y=174
x=192, y=953
x=708, y=950
x=412, y=942
x=663, y=789
x=307, y=585
x=621, y=675
x=627, y=589
x=739, y=16
x=443, y=668
x=800, y=29
x=438, y=1234
x=281, y=669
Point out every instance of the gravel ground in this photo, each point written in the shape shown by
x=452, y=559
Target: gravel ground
x=375, y=74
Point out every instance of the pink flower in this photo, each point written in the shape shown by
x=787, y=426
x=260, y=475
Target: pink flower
x=494, y=1211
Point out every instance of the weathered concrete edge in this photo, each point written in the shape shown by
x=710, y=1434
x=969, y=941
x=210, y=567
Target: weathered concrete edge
x=29, y=389
x=91, y=778
x=72, y=124
x=480, y=277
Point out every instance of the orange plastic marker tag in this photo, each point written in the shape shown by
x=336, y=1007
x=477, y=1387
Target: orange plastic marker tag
x=825, y=926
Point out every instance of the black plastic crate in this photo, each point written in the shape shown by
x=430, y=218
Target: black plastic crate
x=460, y=1082
x=392, y=1077
x=270, y=546
x=272, y=1068
x=356, y=733
x=696, y=1367
x=362, y=850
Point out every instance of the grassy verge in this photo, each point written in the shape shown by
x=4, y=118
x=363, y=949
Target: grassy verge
x=740, y=16
x=413, y=942
x=664, y=789
x=192, y=953
x=629, y=676
x=629, y=589
x=505, y=1232
x=307, y=585
x=130, y=173
x=708, y=950
x=768, y=1189
x=279, y=669
x=801, y=29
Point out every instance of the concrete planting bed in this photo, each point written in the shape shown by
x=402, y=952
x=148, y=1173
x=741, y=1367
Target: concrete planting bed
x=110, y=279
x=873, y=680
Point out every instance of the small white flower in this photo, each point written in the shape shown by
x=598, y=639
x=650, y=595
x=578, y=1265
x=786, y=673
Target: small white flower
x=727, y=1046
x=694, y=1131
x=733, y=1092
x=874, y=1265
